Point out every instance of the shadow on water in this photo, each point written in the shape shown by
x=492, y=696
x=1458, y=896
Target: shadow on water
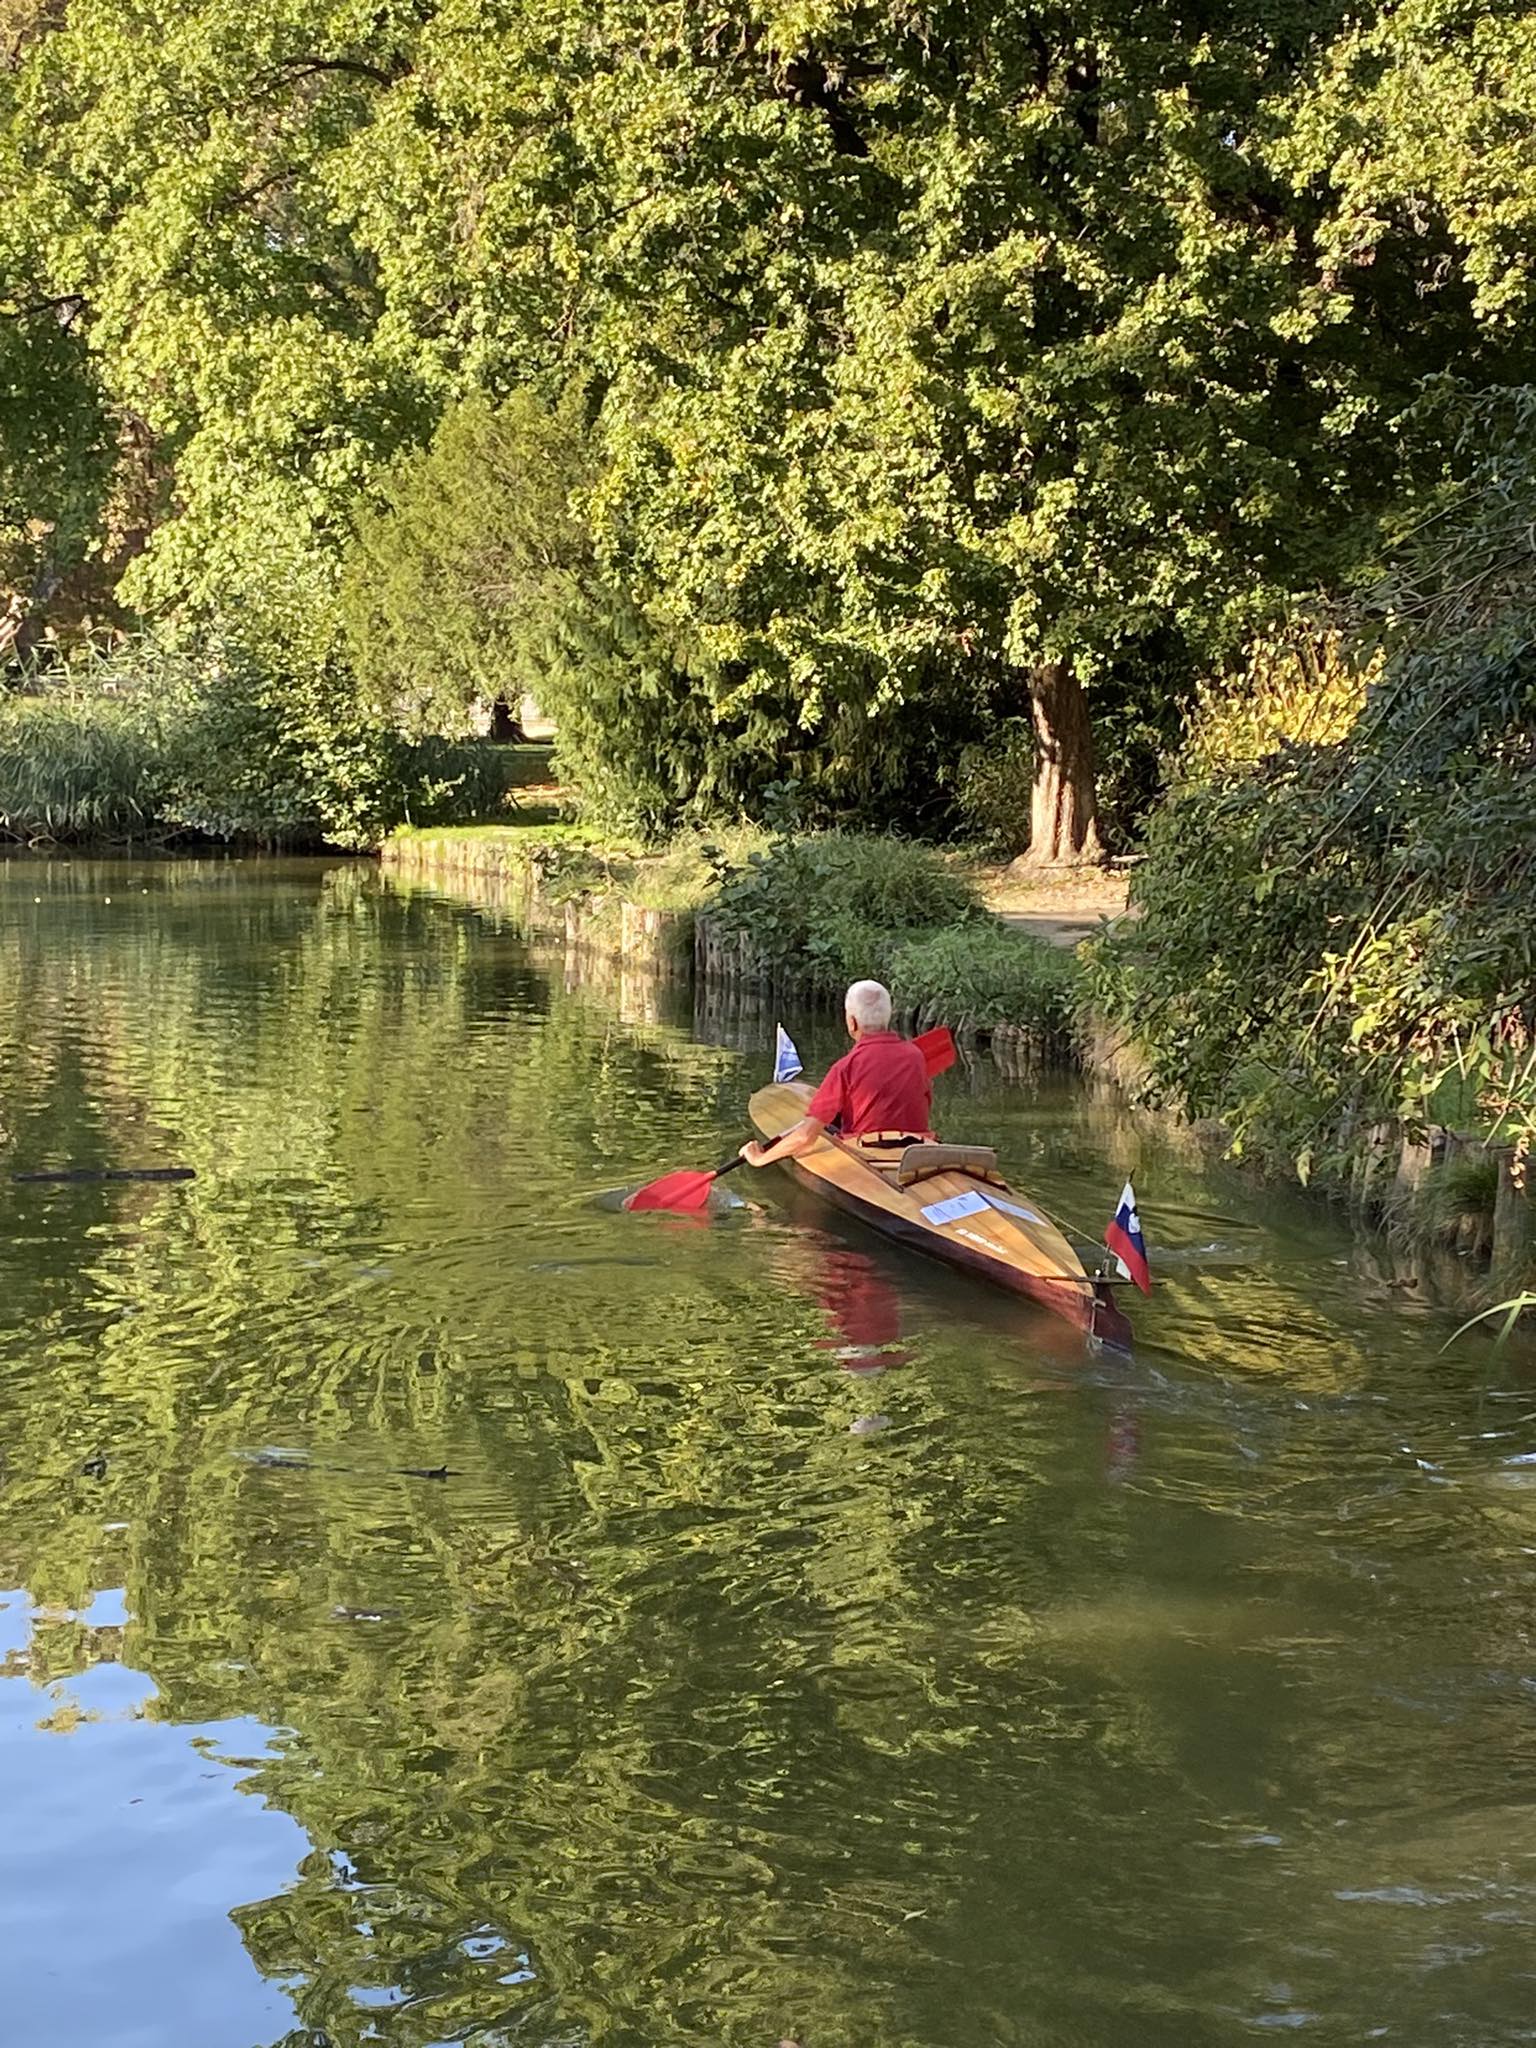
x=629, y=1634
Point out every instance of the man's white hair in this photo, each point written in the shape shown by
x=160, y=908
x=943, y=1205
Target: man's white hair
x=869, y=1005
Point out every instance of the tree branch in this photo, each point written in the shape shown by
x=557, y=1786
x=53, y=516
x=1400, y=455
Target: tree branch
x=804, y=82
x=1082, y=81
x=233, y=201
x=66, y=309
x=355, y=67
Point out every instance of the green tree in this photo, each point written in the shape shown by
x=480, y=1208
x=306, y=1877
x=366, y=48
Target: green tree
x=1336, y=924
x=938, y=366
x=180, y=173
x=56, y=460
x=954, y=357
x=1420, y=126
x=470, y=563
x=475, y=574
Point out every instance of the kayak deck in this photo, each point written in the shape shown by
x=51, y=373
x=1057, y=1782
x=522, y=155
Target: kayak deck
x=964, y=1213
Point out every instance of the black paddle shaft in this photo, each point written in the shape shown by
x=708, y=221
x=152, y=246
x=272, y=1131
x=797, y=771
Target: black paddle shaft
x=730, y=1166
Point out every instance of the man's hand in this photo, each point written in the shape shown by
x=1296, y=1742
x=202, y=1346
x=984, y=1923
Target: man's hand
x=800, y=1138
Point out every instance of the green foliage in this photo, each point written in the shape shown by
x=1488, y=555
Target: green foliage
x=779, y=395
x=1339, y=930
x=991, y=785
x=832, y=908
x=74, y=767
x=810, y=906
x=1423, y=119
x=467, y=781
x=55, y=457
x=685, y=874
x=847, y=366
x=472, y=563
x=276, y=753
x=479, y=576
x=170, y=736
x=184, y=172
x=1301, y=686
x=983, y=975
x=1140, y=711
x=1463, y=1189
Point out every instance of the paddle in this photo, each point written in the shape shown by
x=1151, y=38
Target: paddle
x=937, y=1048
x=684, y=1193
x=687, y=1192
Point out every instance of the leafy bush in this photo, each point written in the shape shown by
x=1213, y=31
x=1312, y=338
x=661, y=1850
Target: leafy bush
x=160, y=735
x=983, y=975
x=1339, y=929
x=466, y=781
x=686, y=873
x=833, y=908
x=991, y=783
x=807, y=904
x=477, y=576
x=1304, y=685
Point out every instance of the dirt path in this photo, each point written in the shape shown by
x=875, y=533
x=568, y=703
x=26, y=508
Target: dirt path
x=1061, y=908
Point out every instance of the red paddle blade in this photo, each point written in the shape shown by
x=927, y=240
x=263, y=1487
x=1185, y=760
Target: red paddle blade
x=937, y=1049
x=685, y=1193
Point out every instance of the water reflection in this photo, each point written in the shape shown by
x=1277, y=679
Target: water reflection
x=126, y=1848
x=1159, y=1702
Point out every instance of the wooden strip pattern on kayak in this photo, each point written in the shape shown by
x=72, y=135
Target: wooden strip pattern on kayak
x=1031, y=1256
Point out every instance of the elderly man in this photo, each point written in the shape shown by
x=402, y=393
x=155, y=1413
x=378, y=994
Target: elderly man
x=882, y=1085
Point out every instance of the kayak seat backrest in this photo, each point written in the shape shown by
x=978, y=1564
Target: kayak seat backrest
x=918, y=1161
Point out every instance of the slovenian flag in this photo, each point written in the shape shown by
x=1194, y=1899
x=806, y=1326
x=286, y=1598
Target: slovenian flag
x=786, y=1061
x=1125, y=1240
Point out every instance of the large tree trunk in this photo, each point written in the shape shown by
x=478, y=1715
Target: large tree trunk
x=1063, y=816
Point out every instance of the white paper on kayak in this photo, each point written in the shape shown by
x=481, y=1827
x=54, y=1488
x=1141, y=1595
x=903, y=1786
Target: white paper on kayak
x=1014, y=1209
x=968, y=1204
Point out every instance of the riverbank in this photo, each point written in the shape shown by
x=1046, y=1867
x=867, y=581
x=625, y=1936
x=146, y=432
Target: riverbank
x=157, y=758
x=791, y=919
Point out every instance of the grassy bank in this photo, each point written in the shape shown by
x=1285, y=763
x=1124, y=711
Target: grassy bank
x=613, y=892
x=805, y=916
x=146, y=762
x=567, y=861
x=813, y=914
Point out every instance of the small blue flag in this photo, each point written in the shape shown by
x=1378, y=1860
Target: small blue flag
x=786, y=1061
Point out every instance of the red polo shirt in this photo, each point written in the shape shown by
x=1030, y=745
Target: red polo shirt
x=882, y=1085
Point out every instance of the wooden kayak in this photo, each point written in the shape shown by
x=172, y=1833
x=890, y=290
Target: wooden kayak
x=951, y=1203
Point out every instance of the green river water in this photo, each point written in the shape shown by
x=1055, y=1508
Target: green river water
x=803, y=1646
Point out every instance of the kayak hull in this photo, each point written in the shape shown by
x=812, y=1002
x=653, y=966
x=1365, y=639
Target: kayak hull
x=997, y=1235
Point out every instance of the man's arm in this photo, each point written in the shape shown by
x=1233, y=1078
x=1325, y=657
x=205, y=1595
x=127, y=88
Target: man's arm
x=799, y=1138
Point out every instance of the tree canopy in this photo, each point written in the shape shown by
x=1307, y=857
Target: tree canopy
x=934, y=362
